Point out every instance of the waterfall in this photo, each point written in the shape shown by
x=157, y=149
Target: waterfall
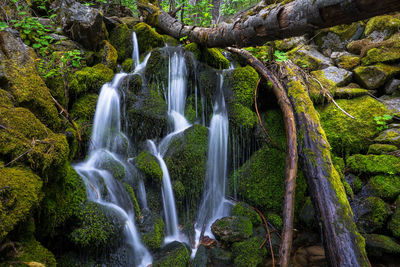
x=107, y=145
x=214, y=205
x=135, y=51
x=176, y=100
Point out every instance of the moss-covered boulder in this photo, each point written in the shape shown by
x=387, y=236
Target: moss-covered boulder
x=308, y=57
x=147, y=37
x=174, y=254
x=386, y=24
x=384, y=52
x=108, y=55
x=373, y=77
x=99, y=227
x=127, y=65
x=186, y=159
x=261, y=184
x=371, y=214
x=211, y=56
x=112, y=164
x=347, y=61
x=232, y=229
x=121, y=40
x=20, y=193
x=89, y=79
x=373, y=164
x=21, y=79
x=336, y=38
x=347, y=135
x=385, y=186
x=244, y=210
x=248, y=253
x=379, y=245
x=153, y=233
x=389, y=136
x=379, y=149
x=394, y=223
x=149, y=166
x=350, y=92
x=332, y=77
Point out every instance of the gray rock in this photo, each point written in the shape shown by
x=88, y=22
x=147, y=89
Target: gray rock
x=335, y=76
x=392, y=86
x=373, y=77
x=310, y=56
x=389, y=136
x=232, y=229
x=392, y=103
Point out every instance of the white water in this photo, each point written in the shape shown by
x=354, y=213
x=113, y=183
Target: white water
x=214, y=205
x=107, y=140
x=135, y=51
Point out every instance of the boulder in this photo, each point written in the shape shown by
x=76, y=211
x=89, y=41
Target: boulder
x=386, y=24
x=309, y=57
x=394, y=222
x=232, y=229
x=370, y=214
x=373, y=77
x=174, y=254
x=389, y=136
x=384, y=186
x=373, y=164
x=82, y=24
x=248, y=252
x=379, y=245
x=379, y=149
x=392, y=103
x=333, y=76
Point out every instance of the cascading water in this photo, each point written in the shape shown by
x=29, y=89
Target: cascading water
x=214, y=204
x=176, y=100
x=107, y=145
x=135, y=52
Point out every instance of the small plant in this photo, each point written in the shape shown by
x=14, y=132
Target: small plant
x=280, y=56
x=382, y=121
x=3, y=26
x=200, y=14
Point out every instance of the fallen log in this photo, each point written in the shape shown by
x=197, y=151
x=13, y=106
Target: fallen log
x=291, y=153
x=344, y=246
x=268, y=23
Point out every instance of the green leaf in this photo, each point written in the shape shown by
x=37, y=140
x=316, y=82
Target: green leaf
x=36, y=45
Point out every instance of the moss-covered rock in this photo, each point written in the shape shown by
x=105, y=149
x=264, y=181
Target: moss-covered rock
x=373, y=77
x=374, y=164
x=347, y=135
x=387, y=23
x=389, y=136
x=232, y=229
x=127, y=65
x=378, y=245
x=194, y=48
x=186, y=159
x=20, y=193
x=149, y=166
x=154, y=238
x=332, y=77
x=337, y=37
x=309, y=57
x=350, y=92
x=243, y=82
x=134, y=201
x=385, y=186
x=371, y=214
x=248, y=253
x=99, y=227
x=89, y=79
x=261, y=184
x=243, y=209
x=394, y=223
x=32, y=253
x=84, y=108
x=108, y=55
x=112, y=164
x=121, y=40
x=214, y=58
x=383, y=52
x=242, y=116
x=5, y=98
x=147, y=37
x=379, y=149
x=175, y=254
x=348, y=62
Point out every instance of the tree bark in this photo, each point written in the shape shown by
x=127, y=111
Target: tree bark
x=273, y=22
x=215, y=11
x=344, y=246
x=291, y=154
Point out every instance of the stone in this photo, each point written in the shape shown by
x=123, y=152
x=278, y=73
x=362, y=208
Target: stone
x=232, y=229
x=309, y=57
x=82, y=24
x=174, y=254
x=345, y=60
x=389, y=136
x=379, y=149
x=392, y=86
x=333, y=76
x=384, y=186
x=290, y=43
x=377, y=245
x=373, y=164
x=373, y=77
x=370, y=214
x=349, y=92
x=392, y=103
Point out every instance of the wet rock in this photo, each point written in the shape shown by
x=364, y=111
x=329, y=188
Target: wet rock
x=248, y=252
x=354, y=182
x=220, y=257
x=82, y=24
x=333, y=76
x=379, y=149
x=370, y=214
x=378, y=245
x=394, y=223
x=392, y=86
x=232, y=229
x=389, y=136
x=392, y=103
x=201, y=259
x=309, y=57
x=345, y=60
x=373, y=77
x=152, y=228
x=309, y=256
x=173, y=254
x=243, y=209
x=384, y=186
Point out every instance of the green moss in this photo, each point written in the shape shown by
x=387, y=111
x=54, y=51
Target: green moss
x=347, y=135
x=178, y=257
x=383, y=186
x=389, y=136
x=379, y=245
x=147, y=37
x=273, y=123
x=214, y=58
x=194, y=48
x=394, y=223
x=134, y=200
x=387, y=23
x=84, y=108
x=154, y=239
x=63, y=201
x=127, y=65
x=121, y=39
x=108, y=55
x=307, y=57
x=263, y=53
x=169, y=40
x=20, y=193
x=242, y=209
x=348, y=62
x=179, y=192
x=242, y=116
x=379, y=149
x=149, y=166
x=113, y=165
x=349, y=92
x=99, y=227
x=248, y=253
x=374, y=164
x=33, y=252
x=373, y=77
x=232, y=229
x=374, y=216
x=5, y=98
x=275, y=220
x=261, y=184
x=243, y=82
x=345, y=31
x=89, y=79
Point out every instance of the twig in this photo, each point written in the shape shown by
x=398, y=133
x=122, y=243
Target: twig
x=268, y=235
x=3, y=127
x=63, y=110
x=17, y=158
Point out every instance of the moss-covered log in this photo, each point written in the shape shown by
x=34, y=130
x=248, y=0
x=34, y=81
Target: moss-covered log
x=271, y=22
x=343, y=244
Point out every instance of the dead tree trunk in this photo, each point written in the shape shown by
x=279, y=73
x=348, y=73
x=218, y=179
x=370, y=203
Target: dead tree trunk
x=344, y=246
x=272, y=22
x=291, y=154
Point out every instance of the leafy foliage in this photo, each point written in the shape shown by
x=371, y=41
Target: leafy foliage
x=382, y=121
